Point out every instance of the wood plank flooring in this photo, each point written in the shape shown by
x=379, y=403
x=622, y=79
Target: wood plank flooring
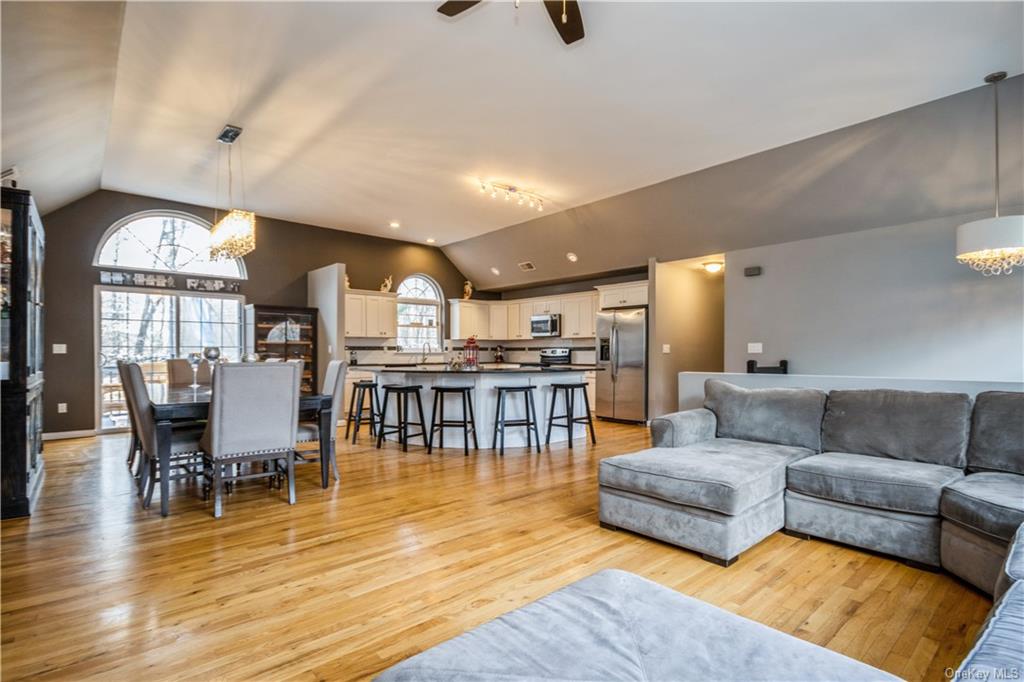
x=407, y=551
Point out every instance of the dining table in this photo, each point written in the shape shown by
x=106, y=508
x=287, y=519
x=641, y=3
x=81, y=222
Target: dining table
x=171, y=404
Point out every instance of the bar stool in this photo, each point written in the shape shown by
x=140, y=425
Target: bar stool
x=356, y=406
x=438, y=422
x=402, y=394
x=500, y=422
x=569, y=397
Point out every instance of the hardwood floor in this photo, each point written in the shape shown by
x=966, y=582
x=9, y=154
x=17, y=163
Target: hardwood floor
x=407, y=551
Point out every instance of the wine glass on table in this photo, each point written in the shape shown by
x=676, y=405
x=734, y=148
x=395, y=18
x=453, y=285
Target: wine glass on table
x=194, y=359
x=211, y=353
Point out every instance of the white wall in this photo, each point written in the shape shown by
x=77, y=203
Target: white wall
x=889, y=302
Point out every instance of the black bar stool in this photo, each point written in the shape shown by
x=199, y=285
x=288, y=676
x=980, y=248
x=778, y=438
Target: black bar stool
x=402, y=394
x=500, y=422
x=569, y=397
x=356, y=407
x=438, y=422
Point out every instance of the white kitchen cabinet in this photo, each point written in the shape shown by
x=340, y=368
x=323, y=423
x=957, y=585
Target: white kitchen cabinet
x=547, y=306
x=498, y=326
x=591, y=379
x=355, y=315
x=516, y=329
x=620, y=295
x=470, y=318
x=578, y=317
x=369, y=316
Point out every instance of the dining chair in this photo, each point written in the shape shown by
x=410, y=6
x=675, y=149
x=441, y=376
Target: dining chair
x=254, y=416
x=309, y=429
x=133, y=448
x=179, y=372
x=204, y=373
x=185, y=449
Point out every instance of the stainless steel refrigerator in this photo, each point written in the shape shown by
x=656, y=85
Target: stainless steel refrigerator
x=622, y=355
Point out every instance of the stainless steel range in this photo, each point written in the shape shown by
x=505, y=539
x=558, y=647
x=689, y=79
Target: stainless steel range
x=554, y=356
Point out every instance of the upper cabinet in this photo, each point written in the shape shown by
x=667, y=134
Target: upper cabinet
x=622, y=295
x=470, y=318
x=371, y=315
x=547, y=306
x=578, y=317
x=498, y=327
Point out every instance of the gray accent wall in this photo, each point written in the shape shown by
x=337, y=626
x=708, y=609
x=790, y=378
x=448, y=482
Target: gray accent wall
x=921, y=163
x=277, y=269
x=887, y=302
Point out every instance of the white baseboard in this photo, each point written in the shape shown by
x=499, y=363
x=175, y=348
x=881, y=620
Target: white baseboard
x=62, y=435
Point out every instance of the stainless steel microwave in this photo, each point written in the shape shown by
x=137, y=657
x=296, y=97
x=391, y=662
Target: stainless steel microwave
x=545, y=325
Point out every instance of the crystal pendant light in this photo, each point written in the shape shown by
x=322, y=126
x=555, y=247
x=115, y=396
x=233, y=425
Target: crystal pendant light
x=992, y=246
x=234, y=235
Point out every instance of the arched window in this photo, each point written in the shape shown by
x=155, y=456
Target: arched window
x=164, y=241
x=420, y=308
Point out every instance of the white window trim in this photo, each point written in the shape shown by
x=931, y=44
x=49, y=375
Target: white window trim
x=97, y=290
x=422, y=301
x=161, y=213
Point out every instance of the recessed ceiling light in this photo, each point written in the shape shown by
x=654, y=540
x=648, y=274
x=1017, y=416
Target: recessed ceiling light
x=395, y=224
x=495, y=271
x=431, y=240
x=572, y=257
x=714, y=266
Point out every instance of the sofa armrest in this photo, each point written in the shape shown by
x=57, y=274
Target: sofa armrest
x=683, y=428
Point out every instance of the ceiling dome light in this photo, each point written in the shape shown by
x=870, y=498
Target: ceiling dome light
x=431, y=240
x=495, y=271
x=713, y=266
x=572, y=257
x=992, y=246
x=394, y=224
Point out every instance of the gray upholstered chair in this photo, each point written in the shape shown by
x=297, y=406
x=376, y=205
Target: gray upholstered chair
x=184, y=438
x=254, y=415
x=309, y=429
x=179, y=372
x=133, y=447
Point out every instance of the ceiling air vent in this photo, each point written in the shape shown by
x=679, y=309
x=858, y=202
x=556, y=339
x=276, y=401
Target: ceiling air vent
x=527, y=266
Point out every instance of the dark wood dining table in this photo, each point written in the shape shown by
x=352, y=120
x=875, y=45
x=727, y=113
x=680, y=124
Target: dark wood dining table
x=177, y=403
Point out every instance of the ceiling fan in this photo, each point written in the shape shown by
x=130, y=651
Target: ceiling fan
x=565, y=15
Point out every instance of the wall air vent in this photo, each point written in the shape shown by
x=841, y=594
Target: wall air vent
x=527, y=266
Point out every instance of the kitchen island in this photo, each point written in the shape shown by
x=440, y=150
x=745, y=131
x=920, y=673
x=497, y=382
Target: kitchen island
x=485, y=381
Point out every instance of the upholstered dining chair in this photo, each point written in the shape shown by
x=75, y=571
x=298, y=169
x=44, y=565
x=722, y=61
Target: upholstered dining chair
x=254, y=416
x=179, y=372
x=133, y=447
x=334, y=385
x=184, y=439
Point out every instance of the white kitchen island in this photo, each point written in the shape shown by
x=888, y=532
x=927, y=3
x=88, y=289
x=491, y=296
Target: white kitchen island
x=485, y=399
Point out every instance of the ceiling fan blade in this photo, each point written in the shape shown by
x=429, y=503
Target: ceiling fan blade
x=453, y=7
x=572, y=29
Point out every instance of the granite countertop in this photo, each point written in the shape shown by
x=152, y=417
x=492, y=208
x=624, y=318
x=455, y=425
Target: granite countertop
x=443, y=369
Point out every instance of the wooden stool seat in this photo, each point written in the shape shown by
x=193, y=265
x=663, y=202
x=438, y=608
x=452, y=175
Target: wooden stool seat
x=356, y=406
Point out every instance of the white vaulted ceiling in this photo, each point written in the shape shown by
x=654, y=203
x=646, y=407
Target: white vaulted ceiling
x=356, y=114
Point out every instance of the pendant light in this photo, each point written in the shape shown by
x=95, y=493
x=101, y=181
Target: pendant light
x=992, y=246
x=234, y=235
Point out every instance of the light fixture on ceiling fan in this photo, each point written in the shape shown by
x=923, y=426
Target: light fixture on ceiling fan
x=992, y=246
x=234, y=235
x=565, y=15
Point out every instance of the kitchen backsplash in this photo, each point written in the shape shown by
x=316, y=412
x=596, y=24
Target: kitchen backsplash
x=384, y=351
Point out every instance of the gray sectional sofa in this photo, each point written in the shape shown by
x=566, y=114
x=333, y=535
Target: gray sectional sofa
x=929, y=477
x=618, y=626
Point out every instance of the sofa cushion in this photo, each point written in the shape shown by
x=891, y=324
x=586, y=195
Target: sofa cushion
x=722, y=474
x=997, y=433
x=1013, y=567
x=998, y=652
x=893, y=484
x=615, y=625
x=787, y=416
x=990, y=503
x=909, y=425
